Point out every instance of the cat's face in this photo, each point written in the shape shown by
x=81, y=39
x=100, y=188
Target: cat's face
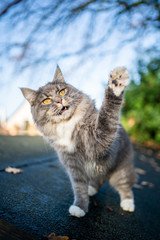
x=54, y=102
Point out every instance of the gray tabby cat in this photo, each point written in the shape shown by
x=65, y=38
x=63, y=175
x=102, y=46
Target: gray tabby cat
x=91, y=144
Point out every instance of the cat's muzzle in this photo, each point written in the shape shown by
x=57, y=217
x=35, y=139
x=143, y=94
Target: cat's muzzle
x=64, y=108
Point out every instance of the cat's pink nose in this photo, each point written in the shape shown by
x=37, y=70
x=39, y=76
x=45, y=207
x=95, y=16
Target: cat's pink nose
x=59, y=101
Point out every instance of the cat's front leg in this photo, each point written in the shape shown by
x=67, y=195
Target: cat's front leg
x=108, y=118
x=80, y=205
x=80, y=188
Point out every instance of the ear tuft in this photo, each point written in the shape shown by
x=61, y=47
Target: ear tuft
x=29, y=94
x=58, y=75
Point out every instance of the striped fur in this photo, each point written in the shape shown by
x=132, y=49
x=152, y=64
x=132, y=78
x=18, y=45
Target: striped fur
x=92, y=145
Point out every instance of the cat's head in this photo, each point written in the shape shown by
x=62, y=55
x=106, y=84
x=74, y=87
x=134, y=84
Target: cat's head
x=55, y=102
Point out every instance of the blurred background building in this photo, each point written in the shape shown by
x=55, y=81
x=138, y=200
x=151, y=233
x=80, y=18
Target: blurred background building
x=19, y=123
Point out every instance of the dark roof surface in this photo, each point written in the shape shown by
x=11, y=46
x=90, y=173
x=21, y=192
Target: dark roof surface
x=37, y=200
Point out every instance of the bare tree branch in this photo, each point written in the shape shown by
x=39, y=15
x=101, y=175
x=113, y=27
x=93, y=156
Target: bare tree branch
x=9, y=6
x=38, y=24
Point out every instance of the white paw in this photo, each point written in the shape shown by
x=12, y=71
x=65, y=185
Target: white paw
x=76, y=211
x=128, y=205
x=91, y=191
x=119, y=79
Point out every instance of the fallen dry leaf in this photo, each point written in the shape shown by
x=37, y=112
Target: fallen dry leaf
x=149, y=151
x=143, y=158
x=137, y=186
x=53, y=236
x=158, y=155
x=13, y=170
x=98, y=219
x=148, y=184
x=95, y=203
x=140, y=171
x=109, y=208
x=154, y=164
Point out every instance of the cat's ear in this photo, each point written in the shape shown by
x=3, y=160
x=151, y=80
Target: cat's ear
x=58, y=75
x=29, y=94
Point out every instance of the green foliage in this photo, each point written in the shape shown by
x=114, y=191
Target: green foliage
x=141, y=111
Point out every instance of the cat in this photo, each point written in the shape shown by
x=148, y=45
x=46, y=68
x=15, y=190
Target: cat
x=92, y=145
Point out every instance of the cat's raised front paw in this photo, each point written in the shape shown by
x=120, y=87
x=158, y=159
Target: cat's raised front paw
x=76, y=211
x=128, y=205
x=119, y=79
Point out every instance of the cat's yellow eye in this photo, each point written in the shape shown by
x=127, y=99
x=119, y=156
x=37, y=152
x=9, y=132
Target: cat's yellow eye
x=62, y=92
x=47, y=101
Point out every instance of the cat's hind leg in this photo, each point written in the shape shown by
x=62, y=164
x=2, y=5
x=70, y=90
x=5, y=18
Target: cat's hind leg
x=127, y=199
x=94, y=186
x=123, y=183
x=92, y=191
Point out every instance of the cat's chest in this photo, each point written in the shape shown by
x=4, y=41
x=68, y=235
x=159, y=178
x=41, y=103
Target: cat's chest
x=63, y=137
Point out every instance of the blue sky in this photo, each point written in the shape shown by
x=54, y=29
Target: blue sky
x=90, y=78
x=89, y=75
